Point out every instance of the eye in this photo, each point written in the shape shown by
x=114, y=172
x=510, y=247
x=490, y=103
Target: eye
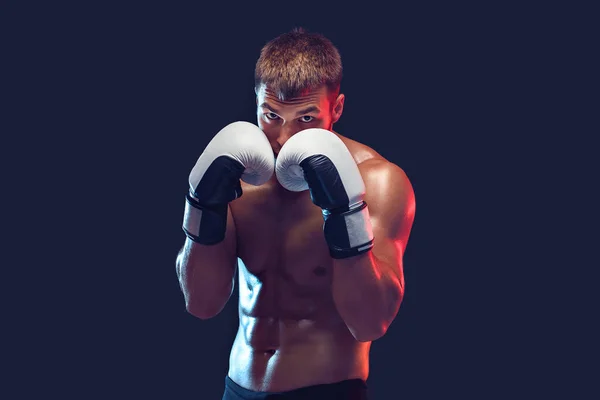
x=307, y=118
x=272, y=115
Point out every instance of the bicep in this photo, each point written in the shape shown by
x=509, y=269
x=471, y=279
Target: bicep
x=391, y=201
x=390, y=198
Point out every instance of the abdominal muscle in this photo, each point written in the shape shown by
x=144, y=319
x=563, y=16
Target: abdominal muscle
x=292, y=341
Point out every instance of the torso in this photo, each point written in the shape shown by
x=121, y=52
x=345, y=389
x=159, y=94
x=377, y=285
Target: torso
x=290, y=334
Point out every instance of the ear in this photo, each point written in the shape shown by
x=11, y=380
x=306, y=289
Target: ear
x=338, y=108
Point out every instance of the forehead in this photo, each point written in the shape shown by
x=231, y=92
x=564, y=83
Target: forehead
x=267, y=94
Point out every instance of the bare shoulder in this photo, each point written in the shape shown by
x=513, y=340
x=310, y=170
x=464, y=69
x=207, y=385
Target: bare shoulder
x=371, y=163
x=360, y=151
x=389, y=190
x=385, y=183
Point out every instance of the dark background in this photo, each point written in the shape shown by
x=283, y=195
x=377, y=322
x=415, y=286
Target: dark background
x=113, y=104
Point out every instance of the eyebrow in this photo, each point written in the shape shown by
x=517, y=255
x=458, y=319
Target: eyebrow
x=308, y=110
x=300, y=112
x=265, y=105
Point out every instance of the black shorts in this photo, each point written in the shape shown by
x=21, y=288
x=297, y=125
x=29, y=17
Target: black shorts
x=352, y=389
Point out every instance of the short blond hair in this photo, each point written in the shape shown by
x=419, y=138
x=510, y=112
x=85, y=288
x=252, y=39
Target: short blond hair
x=297, y=61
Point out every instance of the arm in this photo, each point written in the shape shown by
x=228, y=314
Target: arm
x=206, y=273
x=368, y=288
x=368, y=211
x=207, y=262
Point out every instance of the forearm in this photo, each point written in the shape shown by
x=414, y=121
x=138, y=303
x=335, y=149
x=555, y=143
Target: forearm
x=206, y=277
x=367, y=295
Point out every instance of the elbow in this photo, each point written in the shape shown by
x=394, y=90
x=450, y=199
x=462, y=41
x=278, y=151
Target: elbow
x=370, y=335
x=209, y=306
x=377, y=327
x=201, y=311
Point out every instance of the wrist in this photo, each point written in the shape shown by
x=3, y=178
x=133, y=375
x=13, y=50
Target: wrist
x=348, y=231
x=204, y=224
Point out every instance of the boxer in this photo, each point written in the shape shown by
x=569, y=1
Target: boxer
x=311, y=224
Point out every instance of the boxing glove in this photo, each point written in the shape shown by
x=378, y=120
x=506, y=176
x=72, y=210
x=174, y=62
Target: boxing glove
x=238, y=151
x=317, y=160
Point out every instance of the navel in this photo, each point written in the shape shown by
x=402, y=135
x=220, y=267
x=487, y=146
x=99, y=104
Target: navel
x=320, y=271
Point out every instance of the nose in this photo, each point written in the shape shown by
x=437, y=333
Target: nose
x=286, y=132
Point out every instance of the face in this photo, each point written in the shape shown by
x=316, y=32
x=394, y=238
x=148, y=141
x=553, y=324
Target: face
x=280, y=120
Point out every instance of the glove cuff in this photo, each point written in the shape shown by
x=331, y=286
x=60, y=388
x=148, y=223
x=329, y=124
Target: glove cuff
x=348, y=231
x=204, y=225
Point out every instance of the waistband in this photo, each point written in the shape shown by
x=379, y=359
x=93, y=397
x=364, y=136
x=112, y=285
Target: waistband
x=350, y=389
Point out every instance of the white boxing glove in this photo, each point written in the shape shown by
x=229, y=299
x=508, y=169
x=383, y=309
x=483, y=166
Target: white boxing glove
x=317, y=160
x=238, y=151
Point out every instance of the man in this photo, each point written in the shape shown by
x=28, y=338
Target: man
x=314, y=223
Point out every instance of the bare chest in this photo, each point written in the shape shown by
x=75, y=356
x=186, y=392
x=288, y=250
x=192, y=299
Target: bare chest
x=285, y=260
x=281, y=233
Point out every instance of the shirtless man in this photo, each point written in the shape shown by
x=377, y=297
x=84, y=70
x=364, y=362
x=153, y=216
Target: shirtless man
x=314, y=223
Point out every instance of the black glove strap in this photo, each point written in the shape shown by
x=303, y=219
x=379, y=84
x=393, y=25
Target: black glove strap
x=204, y=225
x=348, y=232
